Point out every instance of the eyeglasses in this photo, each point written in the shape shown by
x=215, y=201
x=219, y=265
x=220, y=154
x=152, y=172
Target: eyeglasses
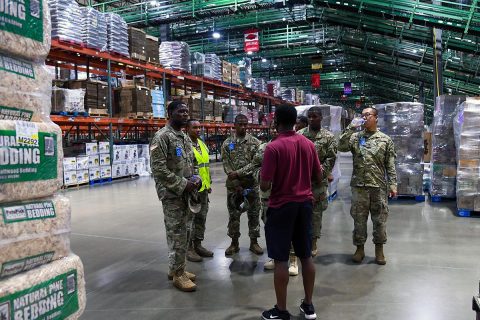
x=366, y=115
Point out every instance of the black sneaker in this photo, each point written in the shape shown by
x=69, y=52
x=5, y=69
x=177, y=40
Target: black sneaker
x=274, y=313
x=308, y=310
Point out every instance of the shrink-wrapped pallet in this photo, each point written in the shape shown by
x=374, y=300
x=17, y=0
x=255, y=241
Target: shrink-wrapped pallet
x=94, y=29
x=66, y=21
x=31, y=157
x=117, y=34
x=54, y=291
x=25, y=90
x=26, y=34
x=175, y=55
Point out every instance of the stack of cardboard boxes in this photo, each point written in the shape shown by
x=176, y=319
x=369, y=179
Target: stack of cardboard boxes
x=158, y=103
x=132, y=99
x=95, y=92
x=137, y=43
x=126, y=162
x=152, y=51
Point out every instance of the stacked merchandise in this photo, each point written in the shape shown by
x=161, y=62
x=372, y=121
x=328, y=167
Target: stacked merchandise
x=443, y=162
x=226, y=71
x=312, y=99
x=245, y=69
x=152, y=49
x=175, y=55
x=75, y=170
x=273, y=88
x=236, y=75
x=144, y=157
x=467, y=134
x=94, y=29
x=252, y=115
x=37, y=267
x=158, y=103
x=68, y=100
x=259, y=85
x=195, y=108
x=117, y=34
x=300, y=96
x=232, y=112
x=212, y=67
x=403, y=123
x=142, y=100
x=288, y=94
x=95, y=92
x=137, y=43
x=197, y=62
x=132, y=99
x=99, y=165
x=66, y=20
x=126, y=162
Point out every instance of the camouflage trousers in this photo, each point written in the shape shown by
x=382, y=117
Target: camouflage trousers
x=318, y=209
x=253, y=214
x=367, y=200
x=199, y=219
x=178, y=225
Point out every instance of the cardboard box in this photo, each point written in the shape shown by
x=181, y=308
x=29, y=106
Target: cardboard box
x=104, y=147
x=69, y=178
x=83, y=176
x=466, y=202
x=105, y=172
x=118, y=153
x=69, y=164
x=427, y=150
x=466, y=163
x=93, y=161
x=94, y=173
x=476, y=204
x=91, y=148
x=105, y=159
x=82, y=162
x=133, y=152
x=118, y=170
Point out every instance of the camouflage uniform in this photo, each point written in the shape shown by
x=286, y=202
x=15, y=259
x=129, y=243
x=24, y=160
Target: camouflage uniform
x=373, y=160
x=172, y=163
x=326, y=147
x=237, y=155
x=257, y=166
x=199, y=219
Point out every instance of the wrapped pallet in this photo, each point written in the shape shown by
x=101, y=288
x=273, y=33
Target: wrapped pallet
x=94, y=29
x=68, y=100
x=27, y=36
x=137, y=43
x=66, y=21
x=467, y=142
x=31, y=157
x=117, y=34
x=152, y=49
x=25, y=90
x=175, y=55
x=54, y=291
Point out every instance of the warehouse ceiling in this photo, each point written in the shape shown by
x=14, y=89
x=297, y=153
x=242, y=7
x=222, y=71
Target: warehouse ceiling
x=384, y=48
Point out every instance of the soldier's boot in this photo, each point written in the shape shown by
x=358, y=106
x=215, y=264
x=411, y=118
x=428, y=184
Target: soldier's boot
x=189, y=275
x=359, y=254
x=314, y=247
x=233, y=248
x=192, y=255
x=379, y=257
x=255, y=247
x=202, y=252
x=182, y=282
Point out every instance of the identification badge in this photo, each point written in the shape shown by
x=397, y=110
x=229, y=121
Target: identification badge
x=362, y=141
x=231, y=146
x=178, y=151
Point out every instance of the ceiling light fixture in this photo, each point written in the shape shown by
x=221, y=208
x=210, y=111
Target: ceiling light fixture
x=284, y=19
x=153, y=3
x=274, y=65
x=264, y=60
x=216, y=35
x=249, y=53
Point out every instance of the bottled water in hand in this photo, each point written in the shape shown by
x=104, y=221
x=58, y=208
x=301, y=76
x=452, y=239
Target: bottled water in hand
x=357, y=122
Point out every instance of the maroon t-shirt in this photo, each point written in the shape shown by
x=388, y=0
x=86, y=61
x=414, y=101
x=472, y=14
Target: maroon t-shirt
x=289, y=163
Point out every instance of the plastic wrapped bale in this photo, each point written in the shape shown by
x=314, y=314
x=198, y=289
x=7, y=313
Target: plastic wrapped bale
x=31, y=157
x=25, y=90
x=68, y=100
x=117, y=34
x=175, y=55
x=466, y=126
x=66, y=21
x=26, y=34
x=94, y=29
x=53, y=291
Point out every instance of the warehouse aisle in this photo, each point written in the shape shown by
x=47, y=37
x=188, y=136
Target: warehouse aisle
x=432, y=270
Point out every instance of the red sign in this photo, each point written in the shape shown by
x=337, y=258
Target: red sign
x=252, y=41
x=316, y=80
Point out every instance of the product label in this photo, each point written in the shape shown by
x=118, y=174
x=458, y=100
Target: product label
x=25, y=264
x=22, y=17
x=28, y=211
x=27, y=134
x=7, y=113
x=54, y=299
x=20, y=163
x=17, y=66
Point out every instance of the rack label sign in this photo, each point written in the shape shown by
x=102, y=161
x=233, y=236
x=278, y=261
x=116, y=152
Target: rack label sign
x=252, y=42
x=22, y=17
x=7, y=113
x=56, y=298
x=20, y=163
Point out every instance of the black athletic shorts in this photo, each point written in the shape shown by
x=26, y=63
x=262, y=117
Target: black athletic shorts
x=291, y=223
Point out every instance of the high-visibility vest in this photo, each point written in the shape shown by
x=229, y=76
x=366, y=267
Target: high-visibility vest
x=203, y=162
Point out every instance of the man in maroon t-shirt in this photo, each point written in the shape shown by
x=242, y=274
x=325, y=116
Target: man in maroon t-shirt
x=289, y=163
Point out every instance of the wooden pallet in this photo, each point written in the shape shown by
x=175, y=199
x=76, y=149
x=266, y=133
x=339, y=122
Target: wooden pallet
x=140, y=115
x=98, y=112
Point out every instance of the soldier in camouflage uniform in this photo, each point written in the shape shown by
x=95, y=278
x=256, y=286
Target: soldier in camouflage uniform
x=174, y=171
x=326, y=147
x=373, y=178
x=237, y=155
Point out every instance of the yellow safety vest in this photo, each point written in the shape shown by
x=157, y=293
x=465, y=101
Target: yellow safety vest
x=203, y=165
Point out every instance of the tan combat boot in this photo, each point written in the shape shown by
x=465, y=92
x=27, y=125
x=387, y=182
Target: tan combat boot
x=314, y=247
x=359, y=254
x=234, y=247
x=255, y=247
x=189, y=275
x=192, y=255
x=202, y=252
x=379, y=257
x=181, y=282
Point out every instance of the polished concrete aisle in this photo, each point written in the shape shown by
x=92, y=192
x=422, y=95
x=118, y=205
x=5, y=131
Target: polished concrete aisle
x=432, y=270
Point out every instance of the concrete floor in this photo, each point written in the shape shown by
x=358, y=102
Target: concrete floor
x=432, y=271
